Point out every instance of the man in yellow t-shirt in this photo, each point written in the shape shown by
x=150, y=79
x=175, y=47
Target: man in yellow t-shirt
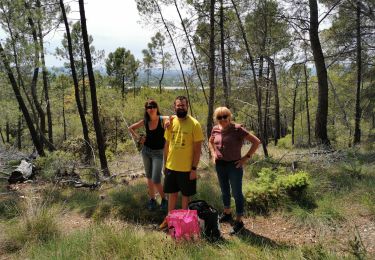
x=182, y=151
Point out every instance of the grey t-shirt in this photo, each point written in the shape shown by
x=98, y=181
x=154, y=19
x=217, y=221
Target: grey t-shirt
x=228, y=142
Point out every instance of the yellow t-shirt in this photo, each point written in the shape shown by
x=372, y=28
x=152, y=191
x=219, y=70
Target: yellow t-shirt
x=181, y=135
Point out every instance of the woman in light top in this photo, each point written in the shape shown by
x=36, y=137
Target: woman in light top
x=226, y=141
x=152, y=151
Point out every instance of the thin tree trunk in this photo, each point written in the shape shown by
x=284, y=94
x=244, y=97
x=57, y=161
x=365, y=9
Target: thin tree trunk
x=76, y=87
x=229, y=69
x=84, y=98
x=307, y=105
x=35, y=80
x=257, y=92
x=7, y=131
x=63, y=114
x=45, y=80
x=342, y=108
x=95, y=110
x=19, y=133
x=321, y=70
x=277, y=101
x=163, y=69
x=2, y=136
x=211, y=69
x=294, y=110
x=358, y=110
x=21, y=103
x=222, y=48
x=191, y=51
x=176, y=53
x=19, y=77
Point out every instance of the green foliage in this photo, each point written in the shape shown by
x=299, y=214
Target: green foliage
x=285, y=142
x=314, y=252
x=53, y=162
x=9, y=208
x=37, y=225
x=272, y=186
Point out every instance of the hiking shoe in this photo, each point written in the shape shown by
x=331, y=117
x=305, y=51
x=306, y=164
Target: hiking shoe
x=225, y=218
x=164, y=224
x=151, y=205
x=237, y=227
x=164, y=205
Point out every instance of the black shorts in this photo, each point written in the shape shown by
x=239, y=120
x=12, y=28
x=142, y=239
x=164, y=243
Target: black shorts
x=175, y=181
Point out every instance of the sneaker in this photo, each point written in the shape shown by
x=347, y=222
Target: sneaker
x=151, y=205
x=164, y=205
x=237, y=227
x=225, y=218
x=164, y=224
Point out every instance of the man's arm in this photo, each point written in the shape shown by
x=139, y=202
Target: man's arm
x=166, y=150
x=197, y=147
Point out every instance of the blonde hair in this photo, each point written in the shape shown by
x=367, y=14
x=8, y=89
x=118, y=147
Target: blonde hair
x=222, y=111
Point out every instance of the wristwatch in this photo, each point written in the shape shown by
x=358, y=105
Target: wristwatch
x=193, y=168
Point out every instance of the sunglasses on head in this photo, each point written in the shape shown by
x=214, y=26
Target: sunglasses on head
x=151, y=106
x=222, y=117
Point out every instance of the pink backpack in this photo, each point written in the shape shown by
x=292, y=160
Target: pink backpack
x=183, y=223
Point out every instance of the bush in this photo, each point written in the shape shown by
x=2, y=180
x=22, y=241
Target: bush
x=54, y=161
x=9, y=209
x=285, y=142
x=272, y=185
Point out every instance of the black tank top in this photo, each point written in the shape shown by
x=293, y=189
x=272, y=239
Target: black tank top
x=155, y=138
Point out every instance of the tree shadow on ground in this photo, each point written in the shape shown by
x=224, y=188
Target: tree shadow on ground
x=258, y=240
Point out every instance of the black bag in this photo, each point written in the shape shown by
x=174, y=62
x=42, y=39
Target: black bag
x=210, y=216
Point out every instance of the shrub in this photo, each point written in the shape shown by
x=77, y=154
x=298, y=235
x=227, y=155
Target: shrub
x=9, y=209
x=285, y=142
x=273, y=185
x=54, y=161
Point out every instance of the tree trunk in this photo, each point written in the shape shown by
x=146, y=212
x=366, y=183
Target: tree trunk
x=34, y=81
x=191, y=51
x=21, y=103
x=277, y=102
x=19, y=133
x=45, y=81
x=358, y=110
x=257, y=92
x=85, y=129
x=7, y=132
x=95, y=110
x=211, y=70
x=63, y=114
x=294, y=110
x=229, y=68
x=222, y=48
x=176, y=53
x=321, y=70
x=84, y=98
x=163, y=69
x=2, y=136
x=307, y=105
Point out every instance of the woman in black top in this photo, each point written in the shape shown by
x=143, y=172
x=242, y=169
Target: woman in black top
x=152, y=151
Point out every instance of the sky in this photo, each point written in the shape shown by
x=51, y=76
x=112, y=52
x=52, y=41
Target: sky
x=112, y=23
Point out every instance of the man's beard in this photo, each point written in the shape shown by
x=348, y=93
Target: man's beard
x=181, y=113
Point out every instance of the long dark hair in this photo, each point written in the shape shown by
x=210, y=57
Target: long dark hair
x=146, y=116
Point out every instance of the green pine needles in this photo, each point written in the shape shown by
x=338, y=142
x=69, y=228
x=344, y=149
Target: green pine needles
x=272, y=186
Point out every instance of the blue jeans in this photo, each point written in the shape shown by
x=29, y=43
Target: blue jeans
x=153, y=163
x=230, y=177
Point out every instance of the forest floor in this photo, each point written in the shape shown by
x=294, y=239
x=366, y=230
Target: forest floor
x=274, y=229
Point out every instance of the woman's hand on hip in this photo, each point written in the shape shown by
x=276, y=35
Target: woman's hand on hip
x=241, y=162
